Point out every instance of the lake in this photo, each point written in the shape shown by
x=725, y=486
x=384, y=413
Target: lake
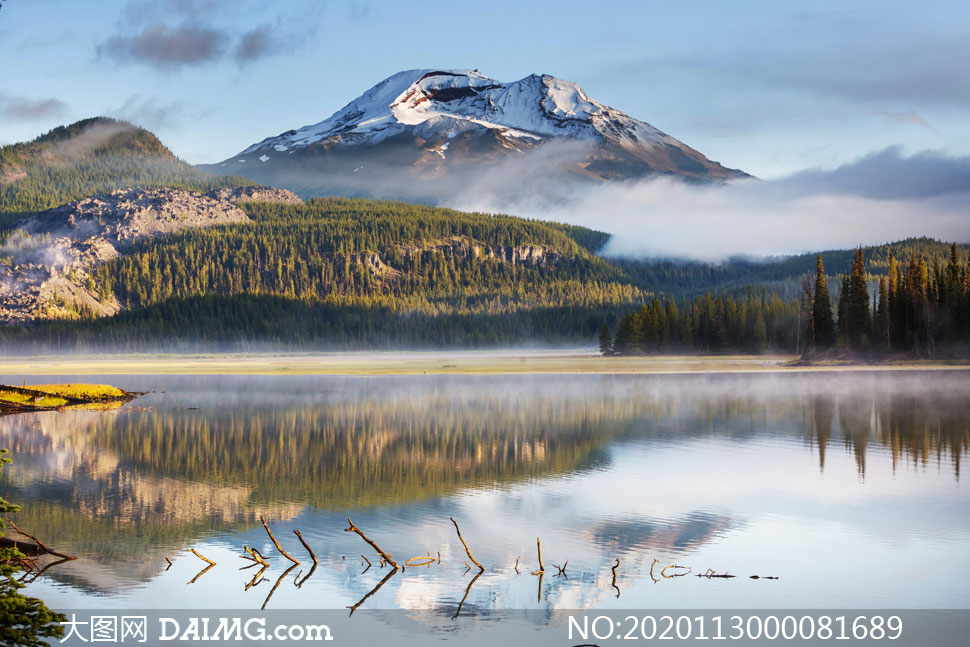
x=846, y=487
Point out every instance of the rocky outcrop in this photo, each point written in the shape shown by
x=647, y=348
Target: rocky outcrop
x=256, y=194
x=462, y=246
x=45, y=261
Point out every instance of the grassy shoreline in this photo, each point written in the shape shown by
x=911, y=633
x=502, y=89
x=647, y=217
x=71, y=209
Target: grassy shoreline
x=418, y=363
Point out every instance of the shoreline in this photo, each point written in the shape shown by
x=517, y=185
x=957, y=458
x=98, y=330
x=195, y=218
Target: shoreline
x=439, y=363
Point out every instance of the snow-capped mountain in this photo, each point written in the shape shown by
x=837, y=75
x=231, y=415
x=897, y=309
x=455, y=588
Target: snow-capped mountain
x=428, y=134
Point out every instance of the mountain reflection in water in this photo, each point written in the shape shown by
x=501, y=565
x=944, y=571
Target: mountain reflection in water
x=740, y=471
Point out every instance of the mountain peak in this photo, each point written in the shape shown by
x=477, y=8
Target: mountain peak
x=432, y=122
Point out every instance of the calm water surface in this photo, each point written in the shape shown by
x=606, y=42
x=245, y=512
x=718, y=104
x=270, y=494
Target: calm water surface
x=846, y=487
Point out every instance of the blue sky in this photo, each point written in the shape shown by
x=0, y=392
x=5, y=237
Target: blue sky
x=768, y=87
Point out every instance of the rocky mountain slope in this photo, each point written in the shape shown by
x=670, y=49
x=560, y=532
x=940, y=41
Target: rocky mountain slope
x=45, y=260
x=431, y=134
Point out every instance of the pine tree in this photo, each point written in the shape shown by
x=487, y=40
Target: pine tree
x=626, y=335
x=759, y=335
x=822, y=324
x=857, y=305
x=721, y=341
x=606, y=340
x=843, y=325
x=807, y=344
x=881, y=320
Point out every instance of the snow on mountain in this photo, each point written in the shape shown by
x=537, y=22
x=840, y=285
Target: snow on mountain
x=421, y=126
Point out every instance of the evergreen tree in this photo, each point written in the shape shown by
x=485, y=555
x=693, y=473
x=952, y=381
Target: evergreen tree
x=843, y=324
x=822, y=324
x=759, y=334
x=880, y=325
x=627, y=335
x=721, y=341
x=857, y=306
x=606, y=340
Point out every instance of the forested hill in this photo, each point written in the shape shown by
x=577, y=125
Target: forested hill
x=91, y=157
x=352, y=271
x=356, y=273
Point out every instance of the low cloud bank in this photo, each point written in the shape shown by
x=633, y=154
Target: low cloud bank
x=882, y=197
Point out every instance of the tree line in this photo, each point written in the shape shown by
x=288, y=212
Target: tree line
x=916, y=308
x=757, y=323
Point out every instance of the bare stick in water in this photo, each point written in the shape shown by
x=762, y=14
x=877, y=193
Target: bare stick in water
x=276, y=543
x=615, y=566
x=203, y=571
x=256, y=557
x=276, y=586
x=385, y=556
x=541, y=568
x=203, y=558
x=663, y=573
x=299, y=584
x=305, y=545
x=372, y=591
x=38, y=542
x=467, y=551
x=467, y=591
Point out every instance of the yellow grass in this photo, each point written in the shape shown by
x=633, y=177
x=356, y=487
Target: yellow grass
x=431, y=363
x=82, y=391
x=21, y=398
x=52, y=401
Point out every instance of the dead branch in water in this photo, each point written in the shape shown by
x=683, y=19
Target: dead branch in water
x=541, y=568
x=663, y=573
x=385, y=556
x=517, y=565
x=40, y=545
x=655, y=562
x=276, y=543
x=467, y=551
x=305, y=545
x=424, y=560
x=562, y=570
x=299, y=584
x=203, y=558
x=467, y=591
x=615, y=566
x=374, y=590
x=202, y=572
x=37, y=574
x=169, y=563
x=763, y=577
x=276, y=586
x=709, y=573
x=253, y=582
x=255, y=556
